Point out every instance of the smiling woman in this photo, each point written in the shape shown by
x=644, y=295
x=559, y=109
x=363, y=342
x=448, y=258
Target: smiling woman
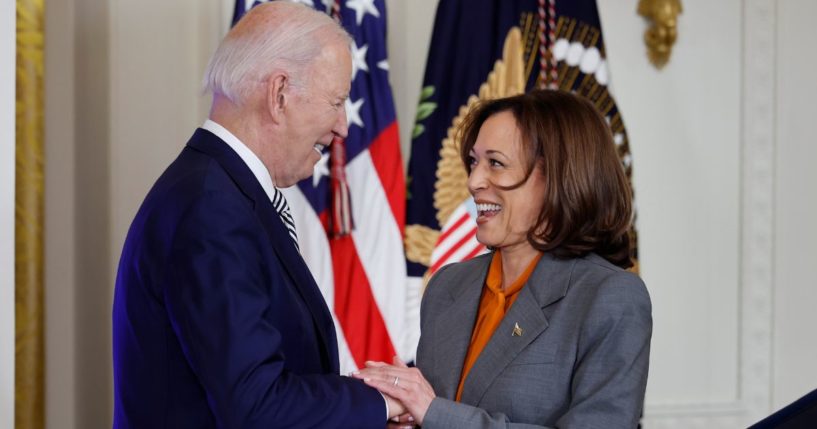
x=549, y=329
x=559, y=139
x=508, y=195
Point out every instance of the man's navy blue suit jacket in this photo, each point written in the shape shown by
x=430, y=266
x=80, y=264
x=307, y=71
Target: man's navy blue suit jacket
x=217, y=321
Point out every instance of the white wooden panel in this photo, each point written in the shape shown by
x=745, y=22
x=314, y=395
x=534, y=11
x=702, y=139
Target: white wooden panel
x=60, y=218
x=795, y=276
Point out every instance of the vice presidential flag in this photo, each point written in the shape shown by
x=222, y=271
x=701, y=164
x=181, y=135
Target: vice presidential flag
x=484, y=49
x=350, y=214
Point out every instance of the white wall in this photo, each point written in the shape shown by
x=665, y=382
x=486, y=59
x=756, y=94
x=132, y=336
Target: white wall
x=795, y=231
x=409, y=34
x=7, y=143
x=60, y=272
x=159, y=50
x=721, y=146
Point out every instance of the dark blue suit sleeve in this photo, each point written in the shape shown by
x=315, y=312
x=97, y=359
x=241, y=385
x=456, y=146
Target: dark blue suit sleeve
x=217, y=299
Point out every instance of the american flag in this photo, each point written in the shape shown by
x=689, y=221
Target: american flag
x=362, y=275
x=458, y=238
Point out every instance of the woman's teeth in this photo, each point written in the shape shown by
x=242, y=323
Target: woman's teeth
x=482, y=208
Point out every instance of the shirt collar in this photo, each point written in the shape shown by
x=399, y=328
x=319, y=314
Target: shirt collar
x=494, y=279
x=259, y=170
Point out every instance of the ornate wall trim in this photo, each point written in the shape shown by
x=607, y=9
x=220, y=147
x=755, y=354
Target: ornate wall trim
x=757, y=237
x=29, y=217
x=757, y=270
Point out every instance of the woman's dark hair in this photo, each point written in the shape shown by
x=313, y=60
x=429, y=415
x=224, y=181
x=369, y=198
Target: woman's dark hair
x=587, y=205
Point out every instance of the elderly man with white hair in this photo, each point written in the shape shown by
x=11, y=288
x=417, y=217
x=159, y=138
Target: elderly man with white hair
x=217, y=321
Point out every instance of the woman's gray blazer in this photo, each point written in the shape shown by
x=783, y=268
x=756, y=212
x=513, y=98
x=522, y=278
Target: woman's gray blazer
x=578, y=360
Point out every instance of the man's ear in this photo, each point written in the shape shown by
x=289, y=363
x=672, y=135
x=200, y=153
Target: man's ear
x=277, y=96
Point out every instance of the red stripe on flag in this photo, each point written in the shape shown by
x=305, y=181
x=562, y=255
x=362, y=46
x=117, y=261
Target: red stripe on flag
x=453, y=228
x=324, y=218
x=453, y=249
x=477, y=250
x=356, y=308
x=385, y=153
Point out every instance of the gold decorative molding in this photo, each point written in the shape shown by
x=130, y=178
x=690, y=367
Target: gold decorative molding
x=28, y=221
x=663, y=29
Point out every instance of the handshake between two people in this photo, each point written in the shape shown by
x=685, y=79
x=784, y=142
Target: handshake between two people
x=407, y=392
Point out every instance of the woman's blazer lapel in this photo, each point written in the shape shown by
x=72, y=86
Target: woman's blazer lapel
x=547, y=284
x=452, y=330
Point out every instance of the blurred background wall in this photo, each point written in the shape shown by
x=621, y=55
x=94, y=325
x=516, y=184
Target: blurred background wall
x=723, y=152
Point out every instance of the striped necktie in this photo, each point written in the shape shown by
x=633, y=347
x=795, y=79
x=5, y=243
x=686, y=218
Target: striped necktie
x=281, y=206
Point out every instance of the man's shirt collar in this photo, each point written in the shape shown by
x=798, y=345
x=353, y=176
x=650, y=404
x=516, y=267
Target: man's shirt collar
x=259, y=170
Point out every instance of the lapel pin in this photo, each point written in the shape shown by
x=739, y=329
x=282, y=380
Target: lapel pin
x=517, y=331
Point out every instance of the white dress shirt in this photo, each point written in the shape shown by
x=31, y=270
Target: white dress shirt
x=259, y=170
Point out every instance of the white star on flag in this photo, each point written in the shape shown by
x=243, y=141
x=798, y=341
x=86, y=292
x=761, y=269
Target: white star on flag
x=306, y=2
x=361, y=8
x=383, y=65
x=321, y=169
x=248, y=3
x=359, y=59
x=353, y=112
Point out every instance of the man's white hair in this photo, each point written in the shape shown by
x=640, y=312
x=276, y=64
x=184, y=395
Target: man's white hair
x=275, y=36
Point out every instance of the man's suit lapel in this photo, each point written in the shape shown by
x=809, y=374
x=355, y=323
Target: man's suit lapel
x=291, y=260
x=295, y=265
x=547, y=284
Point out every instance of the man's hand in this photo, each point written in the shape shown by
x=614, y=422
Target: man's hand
x=396, y=408
x=401, y=383
x=404, y=421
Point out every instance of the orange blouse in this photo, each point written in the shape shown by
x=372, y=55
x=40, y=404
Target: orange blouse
x=493, y=305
